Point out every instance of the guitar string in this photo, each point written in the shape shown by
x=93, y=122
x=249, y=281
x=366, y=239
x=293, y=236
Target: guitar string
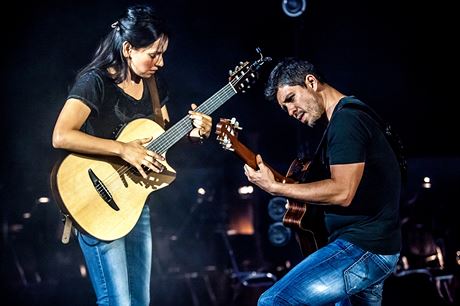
x=163, y=142
x=221, y=96
x=207, y=110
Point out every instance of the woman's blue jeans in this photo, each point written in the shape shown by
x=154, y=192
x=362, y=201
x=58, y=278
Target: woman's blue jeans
x=120, y=269
x=340, y=273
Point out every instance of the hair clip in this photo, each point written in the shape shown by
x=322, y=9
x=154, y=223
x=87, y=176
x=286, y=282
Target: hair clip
x=115, y=26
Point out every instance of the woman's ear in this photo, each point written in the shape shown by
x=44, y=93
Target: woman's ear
x=126, y=49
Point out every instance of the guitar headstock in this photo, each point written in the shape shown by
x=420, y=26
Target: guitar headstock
x=246, y=73
x=227, y=132
x=227, y=135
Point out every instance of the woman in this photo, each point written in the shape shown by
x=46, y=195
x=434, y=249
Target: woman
x=108, y=93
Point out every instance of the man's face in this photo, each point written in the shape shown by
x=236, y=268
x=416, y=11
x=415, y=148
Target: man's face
x=301, y=102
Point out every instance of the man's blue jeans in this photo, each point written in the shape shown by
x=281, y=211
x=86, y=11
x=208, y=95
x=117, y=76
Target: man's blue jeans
x=339, y=273
x=120, y=269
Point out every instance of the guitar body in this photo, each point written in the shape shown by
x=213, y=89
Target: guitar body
x=305, y=219
x=103, y=195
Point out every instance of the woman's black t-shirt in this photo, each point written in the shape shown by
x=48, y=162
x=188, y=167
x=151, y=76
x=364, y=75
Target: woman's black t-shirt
x=111, y=107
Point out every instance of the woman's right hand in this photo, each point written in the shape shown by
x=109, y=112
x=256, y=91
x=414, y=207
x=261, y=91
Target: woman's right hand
x=135, y=153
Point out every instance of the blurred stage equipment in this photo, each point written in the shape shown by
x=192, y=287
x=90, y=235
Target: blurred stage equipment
x=246, y=278
x=278, y=234
x=36, y=269
x=423, y=251
x=212, y=257
x=241, y=212
x=294, y=8
x=277, y=208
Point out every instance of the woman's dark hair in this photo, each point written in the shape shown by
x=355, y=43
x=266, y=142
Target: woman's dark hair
x=289, y=71
x=140, y=26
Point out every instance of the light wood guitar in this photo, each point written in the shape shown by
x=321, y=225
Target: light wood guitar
x=306, y=220
x=104, y=196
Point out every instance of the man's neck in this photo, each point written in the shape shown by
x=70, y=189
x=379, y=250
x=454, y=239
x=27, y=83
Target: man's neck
x=331, y=97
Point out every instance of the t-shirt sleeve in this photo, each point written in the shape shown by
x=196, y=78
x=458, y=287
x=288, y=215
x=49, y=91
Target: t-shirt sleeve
x=89, y=89
x=347, y=138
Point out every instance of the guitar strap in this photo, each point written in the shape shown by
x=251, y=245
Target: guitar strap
x=392, y=137
x=67, y=229
x=153, y=89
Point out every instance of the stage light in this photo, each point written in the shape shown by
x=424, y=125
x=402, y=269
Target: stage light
x=278, y=234
x=201, y=191
x=426, y=182
x=294, y=8
x=245, y=190
x=83, y=271
x=43, y=200
x=277, y=208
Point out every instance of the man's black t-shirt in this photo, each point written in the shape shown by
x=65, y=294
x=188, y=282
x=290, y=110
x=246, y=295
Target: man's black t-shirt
x=371, y=221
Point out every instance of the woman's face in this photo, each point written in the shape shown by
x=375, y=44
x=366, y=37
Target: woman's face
x=144, y=62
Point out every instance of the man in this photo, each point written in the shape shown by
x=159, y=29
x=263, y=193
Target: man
x=360, y=195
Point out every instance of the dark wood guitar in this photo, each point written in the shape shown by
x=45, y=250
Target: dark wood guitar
x=104, y=196
x=306, y=220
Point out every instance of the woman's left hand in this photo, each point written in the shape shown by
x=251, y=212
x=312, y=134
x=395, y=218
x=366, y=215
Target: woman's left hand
x=202, y=123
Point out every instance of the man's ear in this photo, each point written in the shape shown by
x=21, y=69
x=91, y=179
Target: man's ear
x=126, y=49
x=310, y=81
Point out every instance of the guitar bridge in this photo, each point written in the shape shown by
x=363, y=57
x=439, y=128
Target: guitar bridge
x=102, y=190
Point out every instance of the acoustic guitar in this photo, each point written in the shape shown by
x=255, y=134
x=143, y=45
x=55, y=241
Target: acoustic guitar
x=104, y=196
x=304, y=219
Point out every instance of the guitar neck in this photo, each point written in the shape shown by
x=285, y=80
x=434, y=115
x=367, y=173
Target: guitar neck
x=166, y=140
x=249, y=158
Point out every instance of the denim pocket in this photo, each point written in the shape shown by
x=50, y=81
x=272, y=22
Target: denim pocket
x=387, y=262
x=369, y=269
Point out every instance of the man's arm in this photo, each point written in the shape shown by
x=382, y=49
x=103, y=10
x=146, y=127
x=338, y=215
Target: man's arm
x=338, y=190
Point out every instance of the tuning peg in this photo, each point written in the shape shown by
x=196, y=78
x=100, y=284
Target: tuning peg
x=226, y=143
x=229, y=147
x=230, y=72
x=235, y=124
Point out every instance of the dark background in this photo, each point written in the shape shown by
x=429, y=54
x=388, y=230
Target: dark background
x=395, y=56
